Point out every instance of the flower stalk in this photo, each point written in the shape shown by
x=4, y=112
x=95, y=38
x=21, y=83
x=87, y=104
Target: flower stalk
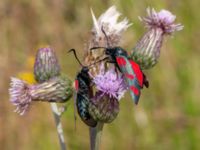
x=95, y=136
x=59, y=128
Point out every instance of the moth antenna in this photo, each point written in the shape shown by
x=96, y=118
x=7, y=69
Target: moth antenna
x=74, y=51
x=107, y=40
x=98, y=61
x=94, y=48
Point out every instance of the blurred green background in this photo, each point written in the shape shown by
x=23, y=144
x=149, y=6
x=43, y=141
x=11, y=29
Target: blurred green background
x=168, y=115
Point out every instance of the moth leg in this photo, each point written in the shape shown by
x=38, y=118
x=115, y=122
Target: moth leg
x=145, y=81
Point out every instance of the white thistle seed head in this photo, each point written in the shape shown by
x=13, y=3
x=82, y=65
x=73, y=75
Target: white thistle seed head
x=113, y=28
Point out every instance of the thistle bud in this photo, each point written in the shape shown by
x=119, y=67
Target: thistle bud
x=57, y=89
x=46, y=65
x=147, y=50
x=103, y=108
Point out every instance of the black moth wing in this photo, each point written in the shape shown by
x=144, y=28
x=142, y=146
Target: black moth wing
x=83, y=97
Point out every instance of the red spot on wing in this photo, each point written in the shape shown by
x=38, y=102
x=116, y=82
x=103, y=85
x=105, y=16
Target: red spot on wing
x=121, y=61
x=134, y=90
x=76, y=85
x=138, y=72
x=130, y=76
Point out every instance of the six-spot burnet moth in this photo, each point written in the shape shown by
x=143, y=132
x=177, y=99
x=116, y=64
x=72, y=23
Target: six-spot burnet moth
x=132, y=72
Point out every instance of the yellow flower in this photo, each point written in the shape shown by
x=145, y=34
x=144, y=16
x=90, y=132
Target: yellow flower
x=27, y=76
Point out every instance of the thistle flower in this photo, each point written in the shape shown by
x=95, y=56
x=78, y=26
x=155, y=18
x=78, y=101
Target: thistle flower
x=147, y=50
x=58, y=89
x=46, y=65
x=163, y=20
x=19, y=95
x=110, y=87
x=110, y=83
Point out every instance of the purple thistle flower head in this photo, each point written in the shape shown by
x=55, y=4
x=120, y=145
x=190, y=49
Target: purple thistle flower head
x=110, y=83
x=58, y=89
x=163, y=20
x=19, y=95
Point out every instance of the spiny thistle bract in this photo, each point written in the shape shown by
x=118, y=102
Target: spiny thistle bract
x=57, y=89
x=147, y=49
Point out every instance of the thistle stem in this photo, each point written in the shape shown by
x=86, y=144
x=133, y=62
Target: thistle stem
x=56, y=114
x=95, y=136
